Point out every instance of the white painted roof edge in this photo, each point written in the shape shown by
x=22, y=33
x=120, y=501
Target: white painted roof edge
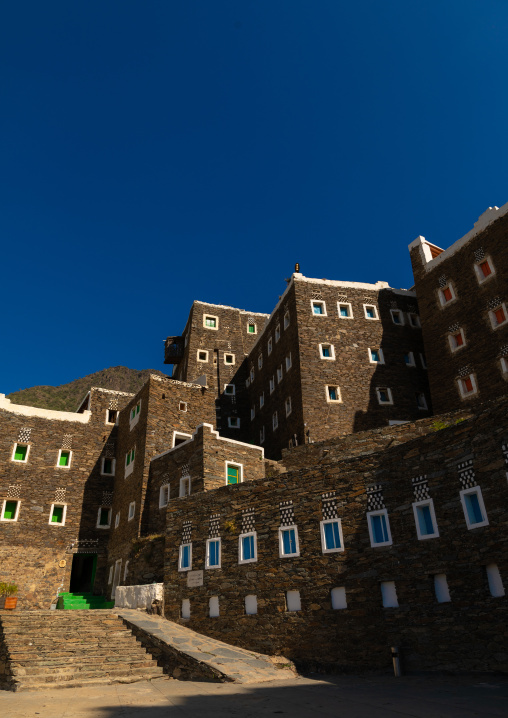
x=34, y=411
x=225, y=306
x=484, y=220
x=217, y=436
x=169, y=380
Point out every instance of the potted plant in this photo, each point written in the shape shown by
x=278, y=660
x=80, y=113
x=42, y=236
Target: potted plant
x=8, y=590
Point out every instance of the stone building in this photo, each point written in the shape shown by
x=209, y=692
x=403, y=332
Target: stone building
x=462, y=295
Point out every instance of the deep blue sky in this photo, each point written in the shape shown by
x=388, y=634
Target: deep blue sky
x=156, y=152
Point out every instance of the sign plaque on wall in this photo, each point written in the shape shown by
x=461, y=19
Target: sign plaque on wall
x=194, y=578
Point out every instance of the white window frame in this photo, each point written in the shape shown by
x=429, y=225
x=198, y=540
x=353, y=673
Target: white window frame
x=10, y=521
x=281, y=541
x=211, y=316
x=272, y=384
x=411, y=357
x=323, y=304
x=252, y=374
x=504, y=365
x=112, y=423
x=180, y=556
x=390, y=395
x=466, y=394
x=179, y=435
x=340, y=592
x=132, y=511
x=117, y=519
x=164, y=495
x=262, y=435
x=269, y=346
x=182, y=406
x=213, y=607
x=229, y=393
x=110, y=516
x=235, y=419
x=251, y=604
x=277, y=333
x=379, y=512
x=380, y=354
x=338, y=391
x=430, y=504
x=185, y=483
x=479, y=274
x=322, y=533
x=414, y=320
x=20, y=443
x=237, y=466
x=280, y=374
x=275, y=421
x=260, y=361
x=248, y=560
x=130, y=467
x=289, y=362
x=252, y=324
x=332, y=352
x=202, y=351
x=229, y=363
x=207, y=553
x=262, y=400
x=64, y=515
x=286, y=320
x=68, y=451
x=295, y=601
x=134, y=421
x=287, y=404
x=442, y=299
x=451, y=340
x=400, y=314
x=113, y=465
x=349, y=309
x=494, y=580
x=474, y=490
x=389, y=596
x=371, y=319
x=424, y=406
x=493, y=320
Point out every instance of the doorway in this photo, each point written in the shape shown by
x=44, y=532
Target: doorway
x=83, y=570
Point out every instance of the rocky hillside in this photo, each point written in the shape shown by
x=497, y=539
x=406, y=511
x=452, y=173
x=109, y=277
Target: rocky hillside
x=67, y=396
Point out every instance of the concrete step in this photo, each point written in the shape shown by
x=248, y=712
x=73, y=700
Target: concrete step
x=21, y=659
x=82, y=682
x=133, y=664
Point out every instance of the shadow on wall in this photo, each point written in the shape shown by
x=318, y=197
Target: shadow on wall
x=395, y=387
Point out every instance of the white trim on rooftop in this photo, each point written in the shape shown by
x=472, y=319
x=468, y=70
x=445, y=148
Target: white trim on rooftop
x=7, y=405
x=235, y=309
x=217, y=436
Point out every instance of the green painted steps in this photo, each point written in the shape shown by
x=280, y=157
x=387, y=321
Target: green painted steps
x=82, y=601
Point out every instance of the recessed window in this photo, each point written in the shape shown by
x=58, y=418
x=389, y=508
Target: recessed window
x=64, y=459
x=421, y=401
x=210, y=321
x=10, y=510
x=57, y=514
x=384, y=395
x=389, y=594
x=108, y=466
x=163, y=496
x=132, y=510
x=289, y=362
x=293, y=601
x=20, y=453
x=110, y=577
x=441, y=588
x=318, y=308
x=229, y=358
x=446, y=295
x=370, y=311
x=272, y=385
x=260, y=361
x=134, y=415
x=252, y=412
x=498, y=316
x=269, y=346
x=379, y=528
x=104, y=518
x=423, y=361
x=279, y=374
x=409, y=359
x=467, y=385
x=376, y=356
x=495, y=582
x=251, y=328
x=338, y=596
x=474, y=508
x=129, y=461
x=229, y=389
x=185, y=557
x=213, y=553
x=277, y=333
x=182, y=406
x=179, y=438
x=327, y=351
x=185, y=486
x=233, y=422
x=457, y=340
x=288, y=541
x=251, y=605
x=275, y=420
x=345, y=310
x=414, y=320
x=425, y=520
x=261, y=400
x=504, y=365
x=202, y=355
x=397, y=317
x=484, y=270
x=251, y=375
x=331, y=536
x=286, y=320
x=333, y=394
x=111, y=416
x=262, y=435
x=288, y=406
x=117, y=519
x=247, y=547
x=233, y=473
x=185, y=611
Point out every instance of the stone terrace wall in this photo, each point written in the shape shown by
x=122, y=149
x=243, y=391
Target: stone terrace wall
x=467, y=633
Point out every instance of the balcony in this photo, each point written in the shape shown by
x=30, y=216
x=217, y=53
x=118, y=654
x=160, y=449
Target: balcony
x=173, y=350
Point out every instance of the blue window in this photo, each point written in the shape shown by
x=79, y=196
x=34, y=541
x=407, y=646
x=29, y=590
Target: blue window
x=248, y=548
x=473, y=508
x=370, y=312
x=326, y=351
x=331, y=535
x=344, y=311
x=185, y=557
x=379, y=528
x=374, y=354
x=425, y=522
x=318, y=308
x=213, y=553
x=289, y=541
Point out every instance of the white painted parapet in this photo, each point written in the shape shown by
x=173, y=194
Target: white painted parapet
x=138, y=596
x=7, y=405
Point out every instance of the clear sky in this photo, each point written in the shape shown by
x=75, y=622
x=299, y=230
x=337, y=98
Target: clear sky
x=160, y=151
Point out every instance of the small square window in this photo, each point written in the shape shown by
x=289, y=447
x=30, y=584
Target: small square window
x=251, y=328
x=202, y=355
x=262, y=435
x=414, y=320
x=318, y=308
x=286, y=320
x=269, y=346
x=229, y=389
x=132, y=510
x=467, y=386
x=484, y=270
x=409, y=359
x=10, y=510
x=457, y=340
x=345, y=310
x=421, y=401
x=370, y=311
x=384, y=395
x=185, y=486
x=233, y=422
x=275, y=420
x=103, y=518
x=272, y=385
x=229, y=358
x=20, y=453
x=247, y=548
x=279, y=374
x=446, y=295
x=277, y=333
x=261, y=400
x=498, y=316
x=57, y=514
x=233, y=474
x=397, y=317
x=213, y=553
x=117, y=520
x=376, y=356
x=185, y=557
x=425, y=520
x=474, y=508
x=182, y=406
x=163, y=496
x=327, y=351
x=331, y=536
x=379, y=528
x=111, y=416
x=260, y=361
x=64, y=459
x=288, y=406
x=210, y=322
x=333, y=394
x=288, y=542
x=108, y=466
x=289, y=362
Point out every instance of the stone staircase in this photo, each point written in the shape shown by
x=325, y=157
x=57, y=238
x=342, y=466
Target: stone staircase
x=59, y=649
x=81, y=601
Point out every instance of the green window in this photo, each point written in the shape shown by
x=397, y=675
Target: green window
x=233, y=474
x=108, y=466
x=20, y=452
x=252, y=329
x=57, y=515
x=211, y=322
x=10, y=510
x=65, y=458
x=104, y=517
